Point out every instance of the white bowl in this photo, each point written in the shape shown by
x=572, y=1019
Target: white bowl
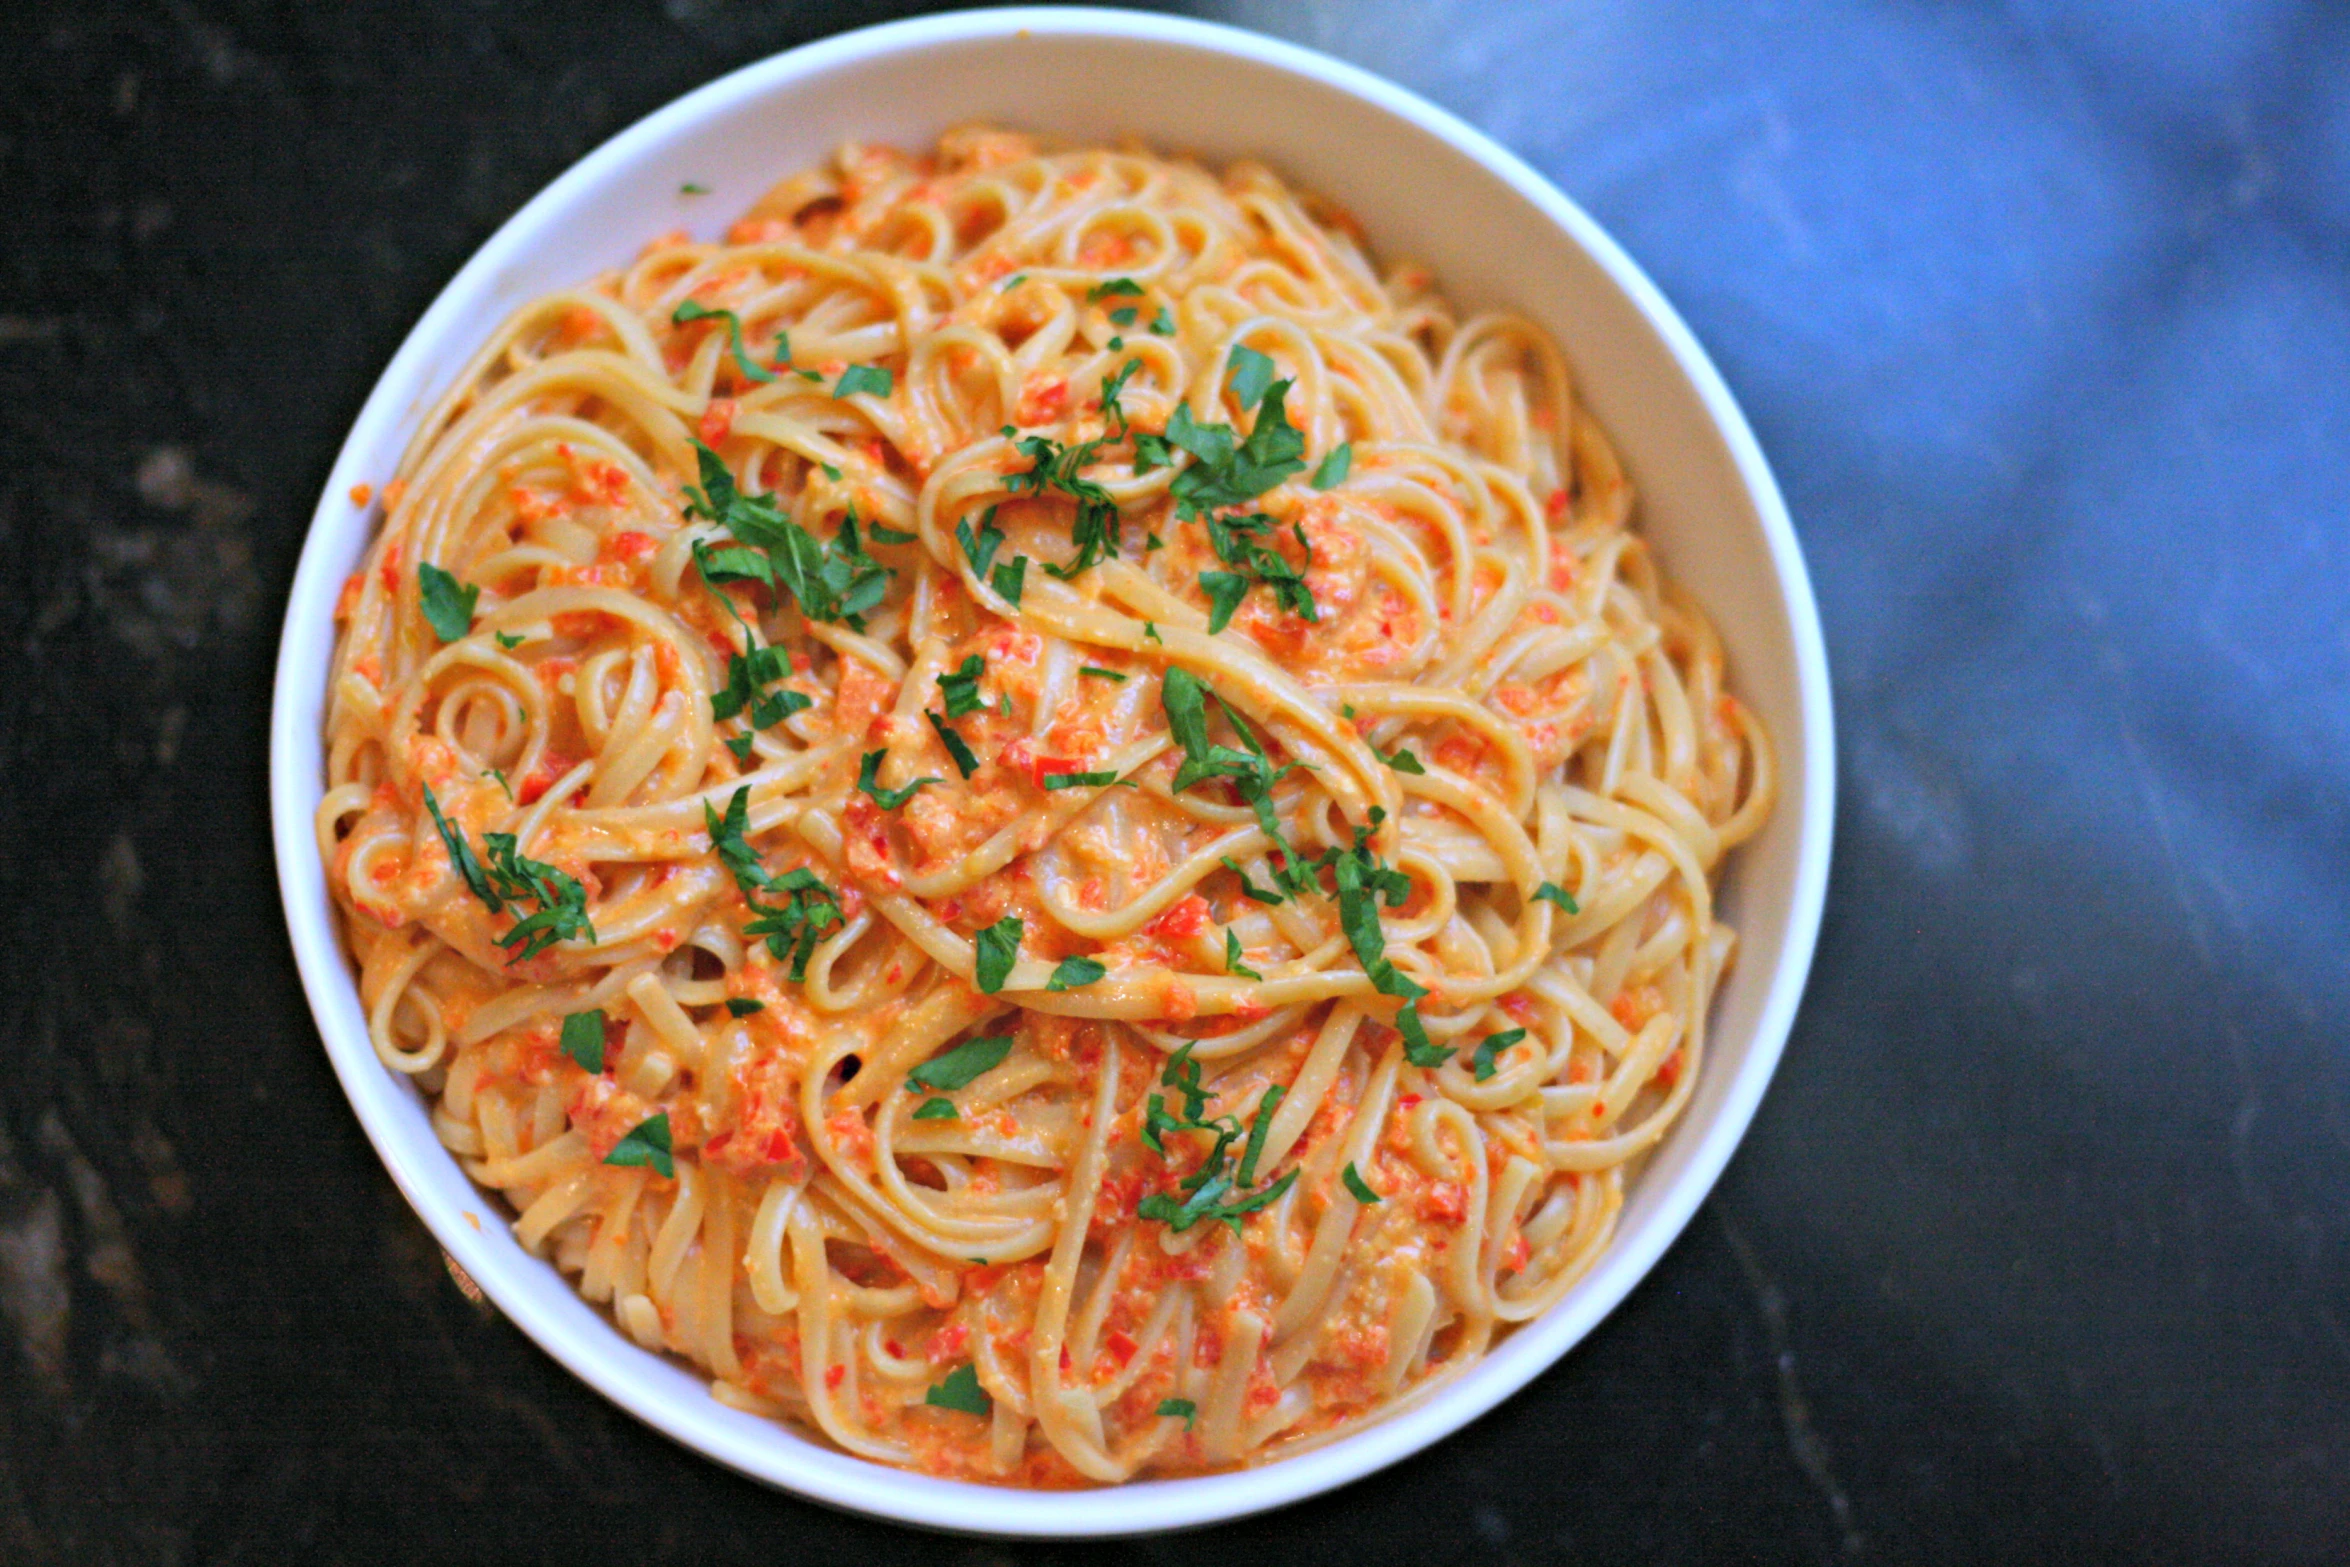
x=1426, y=186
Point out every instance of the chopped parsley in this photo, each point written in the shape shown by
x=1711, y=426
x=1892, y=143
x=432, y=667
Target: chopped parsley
x=809, y=911
x=1123, y=316
x=1163, y=324
x=936, y=1110
x=957, y=751
x=743, y=1006
x=1357, y=1185
x=1116, y=285
x=510, y=879
x=961, y=1391
x=1009, y=579
x=1096, y=672
x=510, y=640
x=1054, y=466
x=1485, y=1062
x=1334, y=467
x=1402, y=761
x=1213, y=1190
x=1249, y=889
x=448, y=604
x=960, y=1065
x=647, y=1144
x=499, y=774
x=809, y=908
x=863, y=378
x=888, y=535
x=994, y=951
x=960, y=686
x=869, y=780
x=1073, y=973
x=583, y=1040
x=830, y=472
x=1551, y=892
x=979, y=546
x=690, y=188
x=829, y=581
x=692, y=310
x=1227, y=470
x=1232, y=955
x=1250, y=373
x=1234, y=539
x=1080, y=780
x=1182, y=1409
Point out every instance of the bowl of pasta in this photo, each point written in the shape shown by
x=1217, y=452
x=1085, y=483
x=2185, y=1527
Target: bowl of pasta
x=1052, y=772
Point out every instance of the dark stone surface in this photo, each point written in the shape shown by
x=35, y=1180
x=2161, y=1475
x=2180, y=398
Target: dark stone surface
x=2040, y=1249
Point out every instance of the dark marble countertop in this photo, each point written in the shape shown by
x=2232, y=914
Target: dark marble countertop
x=2040, y=1247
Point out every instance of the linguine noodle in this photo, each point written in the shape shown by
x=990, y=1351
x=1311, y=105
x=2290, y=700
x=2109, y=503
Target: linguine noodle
x=1052, y=828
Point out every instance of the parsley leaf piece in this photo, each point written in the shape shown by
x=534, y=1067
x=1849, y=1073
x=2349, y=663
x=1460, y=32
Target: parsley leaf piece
x=1357, y=1185
x=1551, y=892
x=994, y=951
x=647, y=1143
x=1013, y=282
x=693, y=310
x=583, y=1040
x=691, y=188
x=1402, y=761
x=809, y=911
x=830, y=472
x=1123, y=316
x=1230, y=471
x=863, y=378
x=741, y=746
x=835, y=581
x=1098, y=780
x=1074, y=973
x=869, y=780
x=448, y=604
x=936, y=1110
x=1260, y=1125
x=1163, y=324
x=510, y=640
x=1225, y=590
x=499, y=774
x=1096, y=672
x=1334, y=467
x=1009, y=579
x=957, y=751
x=562, y=901
x=960, y=686
x=1484, y=1061
x=883, y=534
x=1251, y=373
x=743, y=1006
x=961, y=1391
x=979, y=547
x=1150, y=633
x=1182, y=1409
x=960, y=1065
x=1418, y=1048
x=727, y=837
x=1116, y=285
x=1249, y=889
x=1232, y=956
x=1204, y=1203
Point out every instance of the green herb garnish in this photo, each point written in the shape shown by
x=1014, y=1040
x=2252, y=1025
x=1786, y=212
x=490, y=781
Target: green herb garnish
x=1551, y=892
x=1096, y=672
x=1074, y=973
x=936, y=1110
x=743, y=1006
x=961, y=1391
x=1334, y=467
x=869, y=780
x=863, y=378
x=1357, y=1185
x=994, y=951
x=1485, y=1062
x=957, y=751
x=583, y=1040
x=1232, y=956
x=960, y=686
x=960, y=1065
x=1182, y=1409
x=448, y=604
x=693, y=310
x=648, y=1144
